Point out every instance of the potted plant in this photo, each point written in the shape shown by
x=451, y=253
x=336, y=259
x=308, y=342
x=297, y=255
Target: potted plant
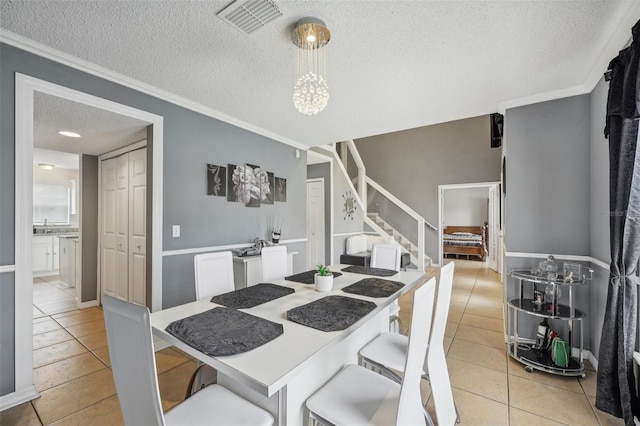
x=323, y=279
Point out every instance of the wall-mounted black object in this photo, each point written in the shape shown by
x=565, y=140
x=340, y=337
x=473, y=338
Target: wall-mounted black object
x=497, y=124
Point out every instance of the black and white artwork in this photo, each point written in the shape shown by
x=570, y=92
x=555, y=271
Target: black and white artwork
x=281, y=190
x=252, y=185
x=232, y=183
x=267, y=185
x=216, y=180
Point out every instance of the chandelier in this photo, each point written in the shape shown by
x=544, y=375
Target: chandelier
x=311, y=92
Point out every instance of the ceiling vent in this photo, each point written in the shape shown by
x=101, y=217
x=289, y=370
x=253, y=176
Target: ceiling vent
x=250, y=15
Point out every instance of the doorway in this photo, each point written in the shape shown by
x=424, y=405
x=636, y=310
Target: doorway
x=472, y=204
x=320, y=168
x=315, y=222
x=26, y=89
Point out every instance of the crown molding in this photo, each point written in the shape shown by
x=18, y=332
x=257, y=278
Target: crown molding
x=616, y=42
x=39, y=49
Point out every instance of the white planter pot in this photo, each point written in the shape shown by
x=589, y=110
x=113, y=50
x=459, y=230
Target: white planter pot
x=324, y=283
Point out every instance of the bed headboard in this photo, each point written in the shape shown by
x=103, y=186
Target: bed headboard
x=479, y=230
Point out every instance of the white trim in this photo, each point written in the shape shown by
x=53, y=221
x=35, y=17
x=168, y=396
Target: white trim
x=7, y=268
x=542, y=97
x=348, y=234
x=18, y=397
x=349, y=183
x=25, y=87
x=577, y=258
x=85, y=305
x=118, y=152
x=221, y=248
x=315, y=154
x=47, y=52
x=324, y=231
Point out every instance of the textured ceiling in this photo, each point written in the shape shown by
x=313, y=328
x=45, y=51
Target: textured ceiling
x=101, y=131
x=392, y=65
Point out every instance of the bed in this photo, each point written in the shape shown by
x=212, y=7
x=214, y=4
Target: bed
x=465, y=240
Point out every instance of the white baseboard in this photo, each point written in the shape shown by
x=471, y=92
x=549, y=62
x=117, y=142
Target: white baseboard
x=159, y=344
x=85, y=305
x=16, y=398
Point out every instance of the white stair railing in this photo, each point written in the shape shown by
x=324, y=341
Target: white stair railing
x=363, y=182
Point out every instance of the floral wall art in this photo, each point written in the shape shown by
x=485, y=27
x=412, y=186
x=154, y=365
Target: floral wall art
x=248, y=184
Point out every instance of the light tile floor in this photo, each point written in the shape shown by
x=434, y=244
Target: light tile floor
x=72, y=368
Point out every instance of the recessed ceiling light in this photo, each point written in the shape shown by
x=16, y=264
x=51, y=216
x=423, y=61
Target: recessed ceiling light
x=69, y=134
x=44, y=166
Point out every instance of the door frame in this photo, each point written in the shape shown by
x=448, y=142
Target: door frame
x=322, y=158
x=493, y=230
x=324, y=231
x=25, y=86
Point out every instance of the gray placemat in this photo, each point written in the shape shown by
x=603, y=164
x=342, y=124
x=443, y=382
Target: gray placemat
x=224, y=331
x=252, y=296
x=374, y=287
x=376, y=272
x=307, y=277
x=331, y=313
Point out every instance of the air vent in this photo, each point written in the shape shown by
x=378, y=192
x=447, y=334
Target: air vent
x=250, y=15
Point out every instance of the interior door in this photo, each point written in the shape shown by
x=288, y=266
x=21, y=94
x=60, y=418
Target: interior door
x=137, y=225
x=494, y=226
x=122, y=228
x=108, y=231
x=315, y=223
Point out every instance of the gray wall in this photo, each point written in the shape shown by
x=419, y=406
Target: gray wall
x=7, y=333
x=465, y=206
x=191, y=140
x=599, y=206
x=557, y=194
x=89, y=226
x=323, y=170
x=547, y=202
x=412, y=163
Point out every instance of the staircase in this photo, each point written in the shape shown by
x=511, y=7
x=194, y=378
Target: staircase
x=347, y=156
x=383, y=228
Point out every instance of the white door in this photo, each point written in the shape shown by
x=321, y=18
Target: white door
x=108, y=228
x=494, y=224
x=122, y=227
x=315, y=223
x=137, y=225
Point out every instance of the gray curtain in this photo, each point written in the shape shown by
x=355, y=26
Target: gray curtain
x=616, y=384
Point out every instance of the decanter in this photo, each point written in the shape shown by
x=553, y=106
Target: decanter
x=549, y=268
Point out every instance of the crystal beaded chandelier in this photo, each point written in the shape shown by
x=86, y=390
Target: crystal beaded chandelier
x=311, y=92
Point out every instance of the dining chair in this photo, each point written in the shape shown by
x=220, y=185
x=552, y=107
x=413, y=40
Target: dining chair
x=387, y=353
x=213, y=273
x=359, y=396
x=135, y=375
x=387, y=256
x=274, y=263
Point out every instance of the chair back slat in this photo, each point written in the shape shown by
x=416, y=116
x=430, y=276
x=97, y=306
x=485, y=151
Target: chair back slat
x=386, y=256
x=274, y=263
x=410, y=403
x=132, y=361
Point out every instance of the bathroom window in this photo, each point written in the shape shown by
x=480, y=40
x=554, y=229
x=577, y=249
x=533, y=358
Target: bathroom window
x=51, y=202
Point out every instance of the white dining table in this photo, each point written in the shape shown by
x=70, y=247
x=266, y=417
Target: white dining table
x=280, y=375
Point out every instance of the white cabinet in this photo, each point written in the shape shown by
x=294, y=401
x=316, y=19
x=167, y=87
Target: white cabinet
x=45, y=250
x=247, y=271
x=42, y=252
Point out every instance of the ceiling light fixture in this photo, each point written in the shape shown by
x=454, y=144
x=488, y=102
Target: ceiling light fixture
x=311, y=92
x=45, y=166
x=69, y=134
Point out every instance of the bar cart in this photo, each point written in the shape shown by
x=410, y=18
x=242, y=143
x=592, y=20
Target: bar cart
x=529, y=301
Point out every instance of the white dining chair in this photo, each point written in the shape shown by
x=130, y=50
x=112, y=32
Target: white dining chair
x=274, y=263
x=213, y=273
x=134, y=372
x=359, y=396
x=387, y=256
x=387, y=353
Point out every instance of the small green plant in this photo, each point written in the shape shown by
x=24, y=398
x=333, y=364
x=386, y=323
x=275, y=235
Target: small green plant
x=323, y=271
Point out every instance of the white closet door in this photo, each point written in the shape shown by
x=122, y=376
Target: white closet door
x=122, y=228
x=137, y=225
x=108, y=231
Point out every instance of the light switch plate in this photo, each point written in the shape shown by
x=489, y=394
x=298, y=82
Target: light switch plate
x=176, y=231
